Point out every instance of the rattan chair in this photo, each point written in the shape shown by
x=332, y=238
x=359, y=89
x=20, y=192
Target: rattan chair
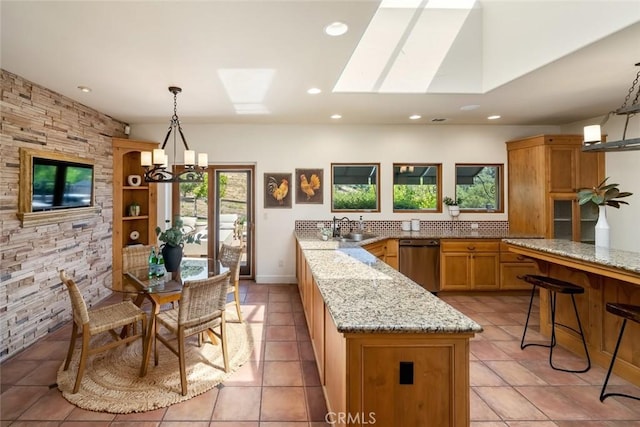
x=202, y=306
x=230, y=257
x=134, y=257
x=92, y=322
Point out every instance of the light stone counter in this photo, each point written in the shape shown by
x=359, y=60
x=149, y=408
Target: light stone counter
x=363, y=294
x=615, y=258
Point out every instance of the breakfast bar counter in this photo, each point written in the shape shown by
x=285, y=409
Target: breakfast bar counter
x=387, y=351
x=607, y=276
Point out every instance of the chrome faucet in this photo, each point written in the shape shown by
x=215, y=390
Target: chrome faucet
x=336, y=225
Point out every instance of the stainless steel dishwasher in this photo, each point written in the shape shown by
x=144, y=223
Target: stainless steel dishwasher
x=419, y=260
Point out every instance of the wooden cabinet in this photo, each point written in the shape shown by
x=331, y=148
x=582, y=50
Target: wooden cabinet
x=469, y=265
x=513, y=265
x=128, y=224
x=545, y=173
x=385, y=250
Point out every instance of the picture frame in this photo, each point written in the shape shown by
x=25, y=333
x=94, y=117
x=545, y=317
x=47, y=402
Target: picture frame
x=309, y=186
x=277, y=190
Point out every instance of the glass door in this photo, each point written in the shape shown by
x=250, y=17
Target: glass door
x=219, y=210
x=234, y=211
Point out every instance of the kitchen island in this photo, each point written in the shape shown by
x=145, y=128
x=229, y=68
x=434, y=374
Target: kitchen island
x=607, y=275
x=387, y=351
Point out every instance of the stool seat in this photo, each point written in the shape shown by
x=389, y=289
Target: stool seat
x=555, y=287
x=553, y=284
x=626, y=311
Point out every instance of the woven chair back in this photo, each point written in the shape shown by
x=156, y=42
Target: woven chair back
x=203, y=300
x=230, y=257
x=80, y=312
x=135, y=257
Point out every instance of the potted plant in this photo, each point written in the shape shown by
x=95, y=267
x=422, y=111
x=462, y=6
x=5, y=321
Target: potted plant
x=452, y=205
x=599, y=197
x=174, y=238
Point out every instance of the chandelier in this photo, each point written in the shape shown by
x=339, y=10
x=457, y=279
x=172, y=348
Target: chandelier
x=155, y=164
x=592, y=133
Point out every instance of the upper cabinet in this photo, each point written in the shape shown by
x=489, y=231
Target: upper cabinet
x=134, y=201
x=545, y=173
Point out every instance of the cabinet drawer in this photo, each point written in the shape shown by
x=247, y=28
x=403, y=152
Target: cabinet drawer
x=513, y=257
x=469, y=246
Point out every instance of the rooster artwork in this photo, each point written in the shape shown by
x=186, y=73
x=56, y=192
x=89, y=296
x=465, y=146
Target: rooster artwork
x=277, y=190
x=309, y=188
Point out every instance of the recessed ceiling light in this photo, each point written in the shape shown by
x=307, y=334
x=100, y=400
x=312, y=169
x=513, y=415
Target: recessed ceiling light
x=336, y=29
x=469, y=107
x=415, y=117
x=313, y=91
x=494, y=117
x=336, y=116
x=84, y=89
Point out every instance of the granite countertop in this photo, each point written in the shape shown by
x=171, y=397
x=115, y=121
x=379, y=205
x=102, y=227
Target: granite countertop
x=624, y=260
x=363, y=294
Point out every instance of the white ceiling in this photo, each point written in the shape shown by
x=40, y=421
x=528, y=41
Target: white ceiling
x=540, y=62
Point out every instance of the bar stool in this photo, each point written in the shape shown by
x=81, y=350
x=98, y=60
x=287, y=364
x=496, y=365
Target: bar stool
x=627, y=312
x=555, y=287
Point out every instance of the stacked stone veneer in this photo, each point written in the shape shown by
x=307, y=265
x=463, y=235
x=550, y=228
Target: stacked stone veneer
x=33, y=301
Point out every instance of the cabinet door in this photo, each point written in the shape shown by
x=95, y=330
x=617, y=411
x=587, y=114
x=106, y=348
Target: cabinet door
x=509, y=272
x=484, y=271
x=391, y=253
x=562, y=169
x=454, y=271
x=376, y=249
x=570, y=221
x=318, y=330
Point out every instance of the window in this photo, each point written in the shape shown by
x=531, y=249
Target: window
x=355, y=187
x=416, y=187
x=479, y=188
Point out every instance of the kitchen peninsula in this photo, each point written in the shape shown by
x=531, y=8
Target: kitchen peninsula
x=607, y=275
x=387, y=351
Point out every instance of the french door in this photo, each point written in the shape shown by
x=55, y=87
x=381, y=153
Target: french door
x=219, y=210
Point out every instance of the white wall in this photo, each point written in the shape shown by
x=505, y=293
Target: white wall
x=283, y=148
x=621, y=168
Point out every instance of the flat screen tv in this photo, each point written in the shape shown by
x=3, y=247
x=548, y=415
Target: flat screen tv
x=60, y=184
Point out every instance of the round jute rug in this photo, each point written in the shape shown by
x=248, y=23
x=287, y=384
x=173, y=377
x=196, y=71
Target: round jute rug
x=111, y=381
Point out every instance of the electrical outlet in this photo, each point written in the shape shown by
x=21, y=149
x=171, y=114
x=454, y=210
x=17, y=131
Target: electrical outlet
x=474, y=226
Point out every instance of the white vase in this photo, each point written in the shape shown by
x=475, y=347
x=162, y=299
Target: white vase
x=454, y=210
x=602, y=228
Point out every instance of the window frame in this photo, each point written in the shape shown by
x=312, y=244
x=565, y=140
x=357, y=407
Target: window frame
x=377, y=186
x=438, y=206
x=499, y=191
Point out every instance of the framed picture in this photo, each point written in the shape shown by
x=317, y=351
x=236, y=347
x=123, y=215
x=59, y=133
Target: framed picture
x=309, y=186
x=276, y=190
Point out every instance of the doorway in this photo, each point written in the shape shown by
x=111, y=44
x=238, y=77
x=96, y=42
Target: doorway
x=219, y=210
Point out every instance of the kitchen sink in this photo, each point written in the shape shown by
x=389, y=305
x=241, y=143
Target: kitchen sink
x=355, y=237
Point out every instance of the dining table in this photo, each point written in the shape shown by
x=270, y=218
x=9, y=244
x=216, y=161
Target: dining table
x=163, y=290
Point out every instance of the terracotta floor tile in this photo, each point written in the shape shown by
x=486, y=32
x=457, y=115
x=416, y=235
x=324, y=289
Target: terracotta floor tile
x=485, y=350
x=253, y=298
x=198, y=408
x=310, y=374
x=281, y=333
x=284, y=424
x=281, y=350
x=501, y=318
x=481, y=375
x=316, y=405
x=299, y=319
x=531, y=424
x=279, y=297
x=254, y=313
x=302, y=333
x=14, y=370
x=480, y=411
x=283, y=404
x=79, y=414
x=51, y=406
x=275, y=318
x=17, y=399
x=238, y=403
x=279, y=307
x=248, y=375
x=542, y=369
x=46, y=374
x=47, y=350
x=514, y=373
x=151, y=416
x=286, y=373
x=306, y=350
x=487, y=424
x=233, y=424
x=495, y=333
x=509, y=404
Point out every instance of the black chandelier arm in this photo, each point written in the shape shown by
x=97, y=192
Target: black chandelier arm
x=184, y=140
x=166, y=138
x=161, y=174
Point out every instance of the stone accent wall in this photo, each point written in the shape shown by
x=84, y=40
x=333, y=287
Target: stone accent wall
x=33, y=301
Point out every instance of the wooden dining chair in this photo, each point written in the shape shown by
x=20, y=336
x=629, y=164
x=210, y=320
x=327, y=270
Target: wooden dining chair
x=201, y=309
x=95, y=321
x=230, y=257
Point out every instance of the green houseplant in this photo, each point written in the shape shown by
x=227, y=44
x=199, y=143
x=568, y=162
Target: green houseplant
x=603, y=195
x=599, y=197
x=174, y=239
x=449, y=201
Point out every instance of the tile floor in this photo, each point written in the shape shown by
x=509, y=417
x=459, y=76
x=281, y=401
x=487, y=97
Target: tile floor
x=279, y=386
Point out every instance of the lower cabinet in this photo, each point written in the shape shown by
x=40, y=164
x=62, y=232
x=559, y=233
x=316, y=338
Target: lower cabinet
x=469, y=265
x=386, y=379
x=385, y=250
x=513, y=265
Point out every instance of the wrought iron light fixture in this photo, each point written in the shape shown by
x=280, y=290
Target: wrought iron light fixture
x=592, y=133
x=155, y=164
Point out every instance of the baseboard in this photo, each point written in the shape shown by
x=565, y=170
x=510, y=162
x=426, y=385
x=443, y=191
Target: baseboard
x=276, y=280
